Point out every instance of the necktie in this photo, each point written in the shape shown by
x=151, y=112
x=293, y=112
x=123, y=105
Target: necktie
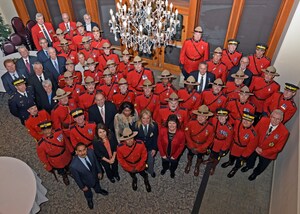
x=102, y=114
x=145, y=130
x=67, y=27
x=201, y=83
x=25, y=94
x=46, y=53
x=14, y=76
x=88, y=164
x=270, y=130
x=46, y=35
x=27, y=65
x=56, y=66
x=41, y=79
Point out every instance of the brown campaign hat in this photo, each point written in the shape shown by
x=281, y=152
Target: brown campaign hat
x=198, y=29
x=218, y=82
x=96, y=29
x=77, y=112
x=203, y=110
x=233, y=42
x=89, y=80
x=271, y=70
x=245, y=90
x=239, y=75
x=166, y=74
x=90, y=61
x=69, y=62
x=248, y=116
x=218, y=50
x=79, y=24
x=45, y=124
x=137, y=59
x=106, y=73
x=110, y=62
x=64, y=42
x=59, y=32
x=173, y=97
x=86, y=40
x=126, y=53
x=68, y=74
x=128, y=134
x=106, y=45
x=18, y=81
x=291, y=87
x=122, y=81
x=60, y=93
x=191, y=81
x=147, y=84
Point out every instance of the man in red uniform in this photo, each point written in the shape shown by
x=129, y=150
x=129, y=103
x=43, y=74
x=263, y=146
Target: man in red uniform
x=80, y=34
x=34, y=119
x=258, y=61
x=112, y=67
x=70, y=86
x=272, y=136
x=283, y=101
x=191, y=98
x=216, y=66
x=240, y=105
x=109, y=88
x=123, y=94
x=137, y=76
x=107, y=55
x=87, y=98
x=193, y=51
x=230, y=56
x=147, y=100
x=125, y=66
x=58, y=36
x=263, y=88
x=214, y=98
x=60, y=114
x=93, y=70
x=82, y=131
x=54, y=151
x=132, y=156
x=172, y=108
x=245, y=141
x=67, y=52
x=42, y=30
x=67, y=26
x=164, y=88
x=98, y=41
x=232, y=88
x=88, y=50
x=199, y=135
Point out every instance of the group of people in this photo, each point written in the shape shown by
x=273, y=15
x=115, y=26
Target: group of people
x=90, y=111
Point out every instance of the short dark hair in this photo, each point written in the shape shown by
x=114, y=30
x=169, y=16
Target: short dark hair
x=79, y=144
x=203, y=63
x=126, y=104
x=173, y=118
x=8, y=61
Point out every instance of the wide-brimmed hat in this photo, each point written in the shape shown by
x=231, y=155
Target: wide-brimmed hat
x=248, y=116
x=60, y=93
x=126, y=53
x=106, y=45
x=69, y=62
x=137, y=59
x=89, y=80
x=218, y=82
x=233, y=42
x=68, y=74
x=79, y=24
x=291, y=87
x=173, y=97
x=64, y=42
x=239, y=75
x=96, y=29
x=45, y=124
x=77, y=112
x=147, y=84
x=86, y=40
x=271, y=70
x=106, y=73
x=222, y=112
x=59, y=32
x=218, y=50
x=191, y=81
x=122, y=81
x=110, y=62
x=245, y=90
x=203, y=110
x=166, y=74
x=90, y=61
x=128, y=134
x=18, y=81
x=198, y=29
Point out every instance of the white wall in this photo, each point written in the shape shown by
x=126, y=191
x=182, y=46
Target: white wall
x=285, y=187
x=7, y=10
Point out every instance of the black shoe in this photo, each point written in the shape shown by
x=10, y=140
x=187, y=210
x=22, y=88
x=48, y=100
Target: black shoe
x=103, y=192
x=153, y=175
x=134, y=184
x=245, y=169
x=252, y=177
x=172, y=174
x=66, y=179
x=162, y=172
x=232, y=172
x=226, y=164
x=91, y=204
x=147, y=184
x=117, y=177
x=112, y=180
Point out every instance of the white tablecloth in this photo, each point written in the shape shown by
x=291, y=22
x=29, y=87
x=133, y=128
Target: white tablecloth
x=21, y=188
x=10, y=56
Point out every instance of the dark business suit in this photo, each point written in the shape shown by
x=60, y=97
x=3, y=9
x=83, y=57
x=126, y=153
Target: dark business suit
x=42, y=101
x=110, y=112
x=42, y=57
x=37, y=86
x=210, y=78
x=235, y=69
x=85, y=177
x=48, y=66
x=7, y=81
x=20, y=65
x=150, y=141
x=100, y=152
x=93, y=24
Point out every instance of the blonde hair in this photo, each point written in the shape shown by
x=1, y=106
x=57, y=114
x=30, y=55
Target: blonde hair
x=144, y=112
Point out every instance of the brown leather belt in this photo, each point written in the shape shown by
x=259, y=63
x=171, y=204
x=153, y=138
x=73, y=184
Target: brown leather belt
x=134, y=161
x=193, y=59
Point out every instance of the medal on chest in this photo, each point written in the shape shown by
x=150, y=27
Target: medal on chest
x=271, y=144
x=60, y=138
x=283, y=106
x=144, y=77
x=246, y=136
x=224, y=133
x=90, y=131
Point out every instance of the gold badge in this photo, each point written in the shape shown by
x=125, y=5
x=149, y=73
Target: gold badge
x=271, y=144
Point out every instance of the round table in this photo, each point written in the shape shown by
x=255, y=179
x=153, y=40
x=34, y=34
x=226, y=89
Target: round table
x=18, y=186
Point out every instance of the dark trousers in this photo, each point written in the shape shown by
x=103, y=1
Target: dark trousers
x=199, y=155
x=185, y=74
x=169, y=164
x=237, y=161
x=263, y=163
x=142, y=173
x=111, y=169
x=88, y=194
